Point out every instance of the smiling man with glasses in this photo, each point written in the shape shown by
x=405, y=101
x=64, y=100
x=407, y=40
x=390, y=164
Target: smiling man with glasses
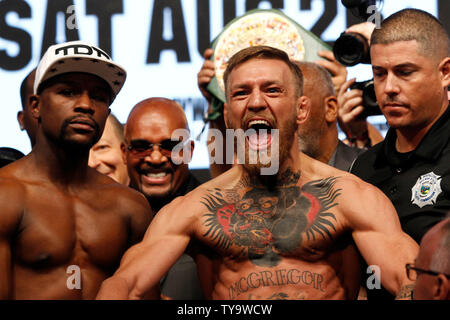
x=158, y=168
x=431, y=270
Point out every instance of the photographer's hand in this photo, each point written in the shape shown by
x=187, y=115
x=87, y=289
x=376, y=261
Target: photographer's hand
x=365, y=29
x=205, y=74
x=350, y=109
x=338, y=71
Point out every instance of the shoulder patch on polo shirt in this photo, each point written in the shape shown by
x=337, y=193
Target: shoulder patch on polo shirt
x=426, y=189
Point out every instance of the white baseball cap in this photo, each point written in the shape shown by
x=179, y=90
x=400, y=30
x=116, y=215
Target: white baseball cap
x=79, y=56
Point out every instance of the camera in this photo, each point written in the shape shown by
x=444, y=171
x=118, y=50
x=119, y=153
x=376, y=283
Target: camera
x=370, y=104
x=351, y=48
x=359, y=7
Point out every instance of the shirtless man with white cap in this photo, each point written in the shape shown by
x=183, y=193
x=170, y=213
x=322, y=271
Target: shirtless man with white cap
x=64, y=226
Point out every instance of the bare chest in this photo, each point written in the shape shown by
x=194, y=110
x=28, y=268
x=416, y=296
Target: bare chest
x=266, y=228
x=58, y=229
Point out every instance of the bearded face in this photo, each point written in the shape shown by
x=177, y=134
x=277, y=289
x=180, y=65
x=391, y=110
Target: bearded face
x=262, y=102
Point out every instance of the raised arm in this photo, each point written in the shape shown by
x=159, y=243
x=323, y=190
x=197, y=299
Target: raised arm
x=204, y=77
x=205, y=74
x=144, y=264
x=380, y=239
x=337, y=70
x=10, y=216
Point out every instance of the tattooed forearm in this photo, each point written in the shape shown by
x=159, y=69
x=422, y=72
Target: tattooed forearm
x=273, y=278
x=405, y=293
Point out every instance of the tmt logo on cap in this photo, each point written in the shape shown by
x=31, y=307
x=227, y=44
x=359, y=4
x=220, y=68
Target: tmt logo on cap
x=79, y=56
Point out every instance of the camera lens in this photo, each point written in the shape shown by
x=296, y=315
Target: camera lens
x=369, y=97
x=351, y=49
x=370, y=104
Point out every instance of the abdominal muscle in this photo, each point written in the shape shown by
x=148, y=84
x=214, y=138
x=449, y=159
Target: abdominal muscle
x=291, y=279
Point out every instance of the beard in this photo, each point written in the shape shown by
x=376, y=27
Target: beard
x=68, y=143
x=256, y=161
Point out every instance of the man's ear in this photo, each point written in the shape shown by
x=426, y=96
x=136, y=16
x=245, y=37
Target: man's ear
x=35, y=106
x=303, y=109
x=191, y=149
x=123, y=148
x=441, y=290
x=20, y=120
x=331, y=109
x=444, y=69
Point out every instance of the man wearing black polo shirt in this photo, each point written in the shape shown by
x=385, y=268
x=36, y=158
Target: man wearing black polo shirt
x=411, y=67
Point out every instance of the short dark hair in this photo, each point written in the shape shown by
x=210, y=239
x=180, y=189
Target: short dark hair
x=318, y=76
x=414, y=24
x=263, y=52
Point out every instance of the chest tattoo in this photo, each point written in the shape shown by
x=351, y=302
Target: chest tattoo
x=266, y=223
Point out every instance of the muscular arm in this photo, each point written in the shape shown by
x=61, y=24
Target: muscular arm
x=380, y=239
x=144, y=264
x=10, y=216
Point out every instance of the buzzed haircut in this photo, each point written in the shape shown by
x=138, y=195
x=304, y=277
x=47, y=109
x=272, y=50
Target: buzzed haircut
x=414, y=24
x=316, y=75
x=118, y=127
x=24, y=88
x=263, y=52
x=440, y=260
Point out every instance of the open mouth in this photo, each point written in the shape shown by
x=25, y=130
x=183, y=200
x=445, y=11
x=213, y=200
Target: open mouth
x=259, y=134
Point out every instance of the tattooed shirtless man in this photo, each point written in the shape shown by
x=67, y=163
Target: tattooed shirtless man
x=296, y=234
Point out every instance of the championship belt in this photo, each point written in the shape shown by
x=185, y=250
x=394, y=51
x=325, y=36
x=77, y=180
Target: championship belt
x=259, y=27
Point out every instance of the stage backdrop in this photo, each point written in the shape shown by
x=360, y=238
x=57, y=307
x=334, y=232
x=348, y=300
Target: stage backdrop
x=159, y=42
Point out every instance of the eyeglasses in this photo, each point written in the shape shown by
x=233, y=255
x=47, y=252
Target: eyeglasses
x=142, y=148
x=412, y=272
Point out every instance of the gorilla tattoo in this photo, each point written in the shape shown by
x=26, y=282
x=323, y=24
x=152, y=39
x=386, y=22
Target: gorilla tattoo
x=265, y=224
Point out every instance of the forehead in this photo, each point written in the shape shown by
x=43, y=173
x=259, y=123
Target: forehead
x=154, y=125
x=259, y=69
x=396, y=53
x=109, y=133
x=79, y=79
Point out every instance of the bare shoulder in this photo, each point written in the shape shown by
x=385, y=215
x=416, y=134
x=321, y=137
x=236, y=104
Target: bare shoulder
x=189, y=204
x=350, y=184
x=361, y=205
x=11, y=186
x=124, y=198
x=108, y=185
x=12, y=195
x=364, y=205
